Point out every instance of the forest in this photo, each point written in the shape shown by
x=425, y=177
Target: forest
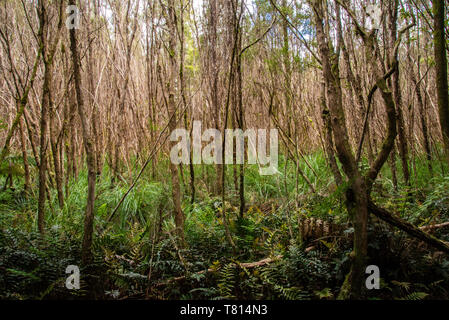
x=224, y=150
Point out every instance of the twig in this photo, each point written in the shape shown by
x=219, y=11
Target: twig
x=435, y=226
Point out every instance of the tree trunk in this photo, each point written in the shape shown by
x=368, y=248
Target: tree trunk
x=87, y=256
x=172, y=47
x=56, y=161
x=214, y=77
x=329, y=142
x=403, y=147
x=441, y=71
x=25, y=157
x=45, y=103
x=357, y=201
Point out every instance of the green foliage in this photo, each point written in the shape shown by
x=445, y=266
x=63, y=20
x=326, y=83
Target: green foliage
x=415, y=296
x=137, y=255
x=13, y=169
x=226, y=281
x=436, y=203
x=34, y=267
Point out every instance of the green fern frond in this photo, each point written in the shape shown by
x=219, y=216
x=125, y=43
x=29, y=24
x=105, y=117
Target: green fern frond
x=415, y=296
x=227, y=280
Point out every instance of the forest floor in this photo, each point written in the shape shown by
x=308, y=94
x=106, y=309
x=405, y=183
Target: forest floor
x=291, y=243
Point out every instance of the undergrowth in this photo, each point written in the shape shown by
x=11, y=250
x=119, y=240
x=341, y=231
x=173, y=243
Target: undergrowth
x=137, y=255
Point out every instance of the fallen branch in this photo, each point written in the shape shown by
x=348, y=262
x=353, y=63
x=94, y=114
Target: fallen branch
x=260, y=263
x=246, y=265
x=407, y=227
x=435, y=226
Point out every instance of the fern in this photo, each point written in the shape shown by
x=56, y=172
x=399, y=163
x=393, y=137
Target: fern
x=403, y=285
x=227, y=281
x=269, y=275
x=324, y=294
x=415, y=296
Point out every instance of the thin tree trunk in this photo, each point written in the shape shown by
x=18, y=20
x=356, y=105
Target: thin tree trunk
x=45, y=102
x=214, y=77
x=441, y=71
x=357, y=200
x=86, y=251
x=329, y=142
x=393, y=7
x=172, y=47
x=56, y=161
x=25, y=157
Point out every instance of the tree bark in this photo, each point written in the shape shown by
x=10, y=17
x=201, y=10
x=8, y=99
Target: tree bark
x=26, y=165
x=86, y=251
x=172, y=47
x=441, y=71
x=357, y=201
